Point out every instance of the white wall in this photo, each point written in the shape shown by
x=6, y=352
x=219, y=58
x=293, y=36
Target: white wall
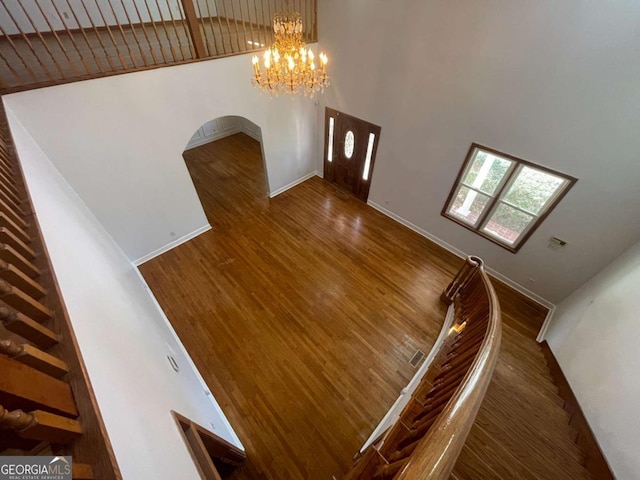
x=48, y=15
x=123, y=336
x=552, y=82
x=118, y=141
x=594, y=335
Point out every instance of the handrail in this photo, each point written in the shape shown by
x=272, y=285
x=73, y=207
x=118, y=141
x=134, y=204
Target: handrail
x=437, y=453
x=429, y=434
x=96, y=38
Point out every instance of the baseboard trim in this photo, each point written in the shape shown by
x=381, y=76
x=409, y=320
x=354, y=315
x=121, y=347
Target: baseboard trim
x=292, y=184
x=594, y=462
x=212, y=138
x=456, y=251
x=171, y=245
x=192, y=365
x=545, y=325
x=254, y=135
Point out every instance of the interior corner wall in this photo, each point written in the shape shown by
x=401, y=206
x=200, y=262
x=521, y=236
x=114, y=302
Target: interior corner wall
x=595, y=338
x=552, y=82
x=124, y=338
x=118, y=141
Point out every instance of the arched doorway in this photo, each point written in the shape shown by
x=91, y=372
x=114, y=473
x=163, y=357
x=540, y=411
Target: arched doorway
x=226, y=162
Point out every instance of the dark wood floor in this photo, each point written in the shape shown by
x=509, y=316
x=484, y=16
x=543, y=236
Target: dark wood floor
x=302, y=313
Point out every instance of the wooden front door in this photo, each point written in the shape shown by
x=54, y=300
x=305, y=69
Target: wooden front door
x=349, y=152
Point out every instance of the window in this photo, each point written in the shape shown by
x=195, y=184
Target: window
x=504, y=198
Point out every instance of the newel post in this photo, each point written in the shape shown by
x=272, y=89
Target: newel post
x=194, y=28
x=469, y=270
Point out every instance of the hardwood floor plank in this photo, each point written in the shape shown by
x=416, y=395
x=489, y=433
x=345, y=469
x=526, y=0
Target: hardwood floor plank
x=302, y=313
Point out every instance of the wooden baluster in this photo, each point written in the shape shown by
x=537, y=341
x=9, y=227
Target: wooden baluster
x=155, y=31
x=27, y=328
x=456, y=360
x=6, y=222
x=135, y=35
x=15, y=215
x=105, y=25
x=163, y=23
x=421, y=425
x=450, y=370
x=366, y=465
x=10, y=255
x=220, y=29
x=34, y=357
x=25, y=38
x=144, y=32
x=23, y=302
x=61, y=18
x=404, y=452
x=437, y=394
x=45, y=44
x=9, y=238
x=124, y=37
x=175, y=31
x=387, y=472
x=97, y=33
x=34, y=389
x=40, y=426
x=16, y=51
x=398, y=434
x=16, y=420
x=9, y=173
x=61, y=45
x=15, y=277
x=212, y=51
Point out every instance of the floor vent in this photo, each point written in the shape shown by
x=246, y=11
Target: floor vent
x=417, y=358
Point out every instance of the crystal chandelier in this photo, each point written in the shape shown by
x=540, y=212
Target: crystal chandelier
x=290, y=67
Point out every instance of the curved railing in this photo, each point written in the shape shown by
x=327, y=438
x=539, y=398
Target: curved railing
x=431, y=431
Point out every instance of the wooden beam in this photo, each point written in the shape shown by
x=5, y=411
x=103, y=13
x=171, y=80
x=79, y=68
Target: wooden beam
x=194, y=28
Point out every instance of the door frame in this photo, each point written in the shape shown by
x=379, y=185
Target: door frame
x=362, y=186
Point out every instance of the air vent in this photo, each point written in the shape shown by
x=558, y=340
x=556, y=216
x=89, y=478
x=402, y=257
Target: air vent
x=416, y=359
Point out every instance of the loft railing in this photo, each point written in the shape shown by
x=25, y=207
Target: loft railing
x=47, y=405
x=425, y=440
x=45, y=42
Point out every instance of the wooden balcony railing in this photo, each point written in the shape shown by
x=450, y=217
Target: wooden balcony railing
x=45, y=42
x=47, y=405
x=426, y=439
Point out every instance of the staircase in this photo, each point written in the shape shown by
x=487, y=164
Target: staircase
x=522, y=430
x=46, y=403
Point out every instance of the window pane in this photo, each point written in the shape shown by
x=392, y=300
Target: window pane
x=349, y=144
x=486, y=172
x=508, y=223
x=532, y=189
x=367, y=162
x=330, y=144
x=468, y=205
